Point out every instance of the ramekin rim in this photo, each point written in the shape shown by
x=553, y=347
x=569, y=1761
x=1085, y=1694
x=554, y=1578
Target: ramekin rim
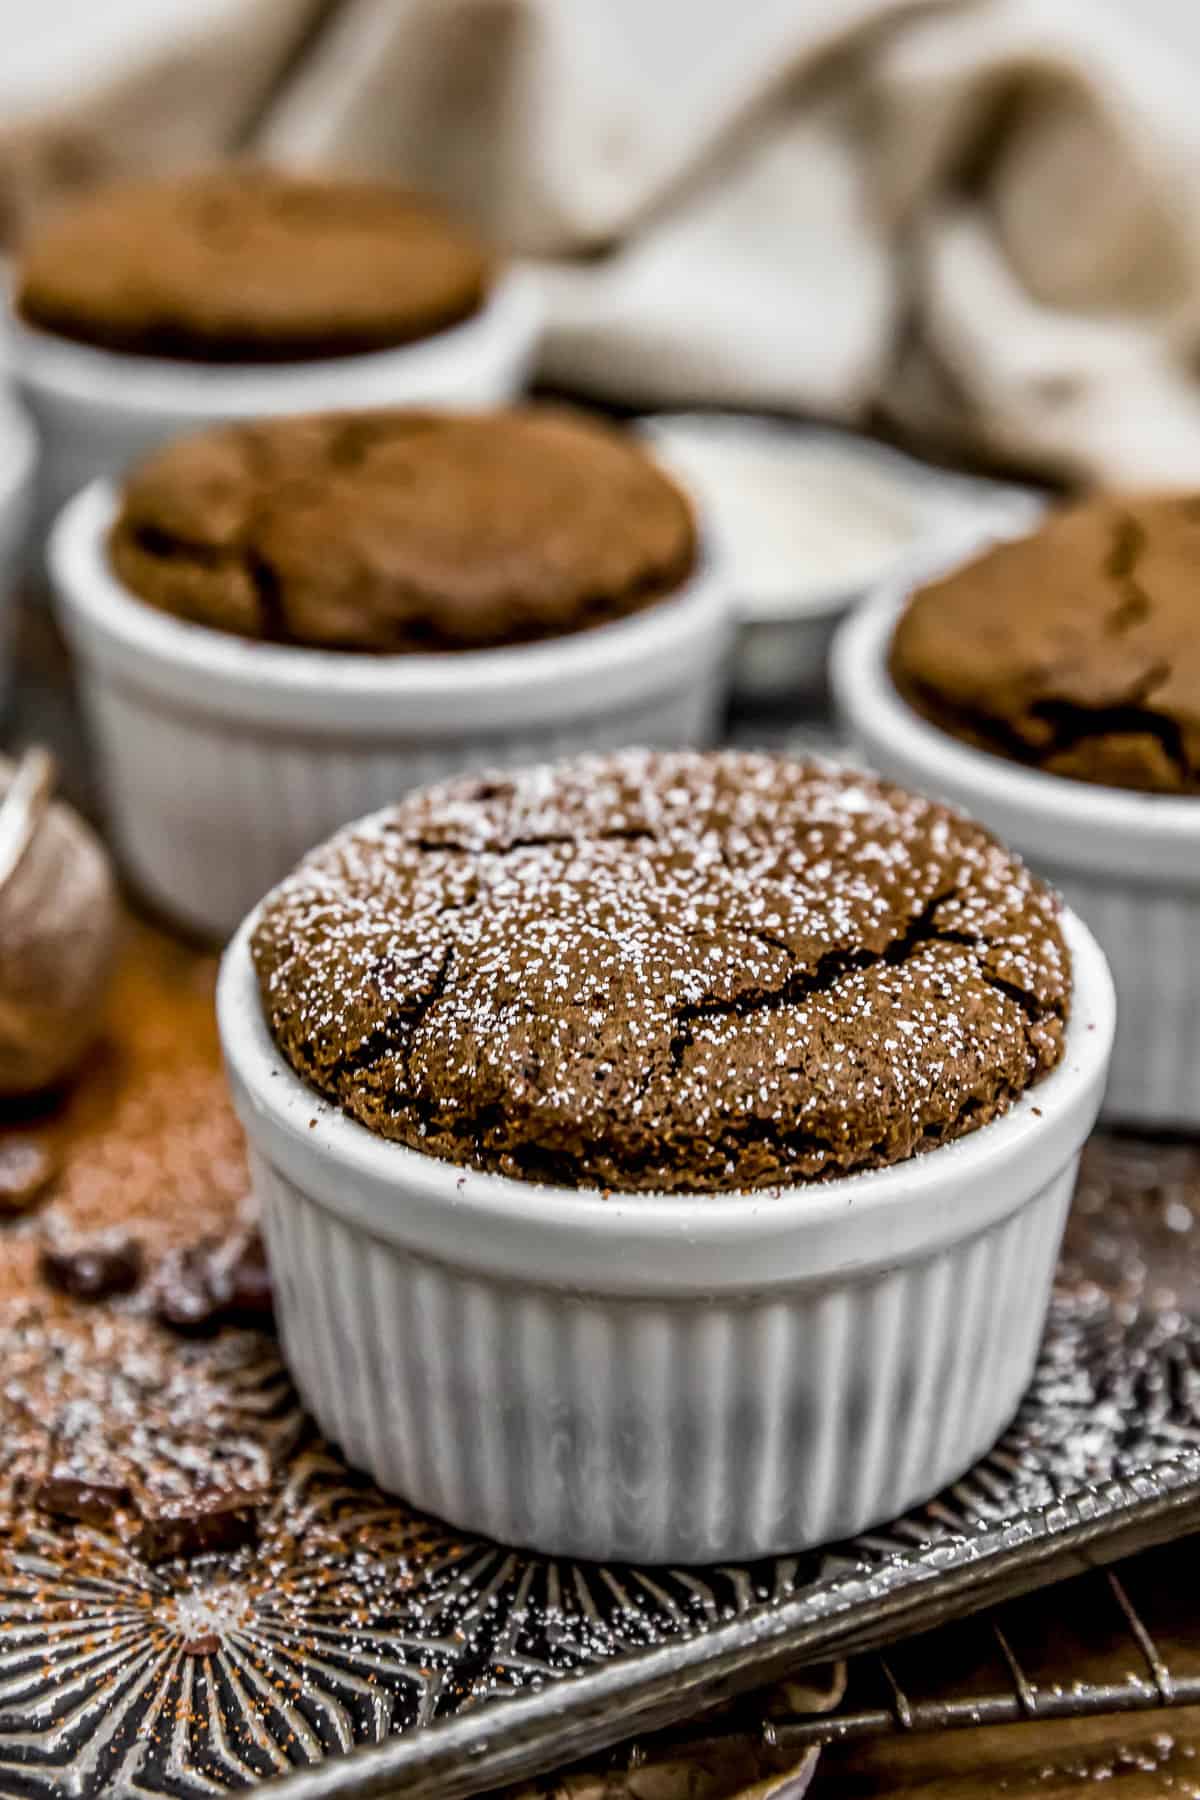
x=88, y=587
x=90, y=375
x=655, y=1219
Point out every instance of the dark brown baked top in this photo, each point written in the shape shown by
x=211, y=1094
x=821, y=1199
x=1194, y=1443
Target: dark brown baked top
x=678, y=972
x=241, y=264
x=403, y=531
x=1076, y=649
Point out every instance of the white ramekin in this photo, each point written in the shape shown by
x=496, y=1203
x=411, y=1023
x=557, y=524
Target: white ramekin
x=661, y=1378
x=18, y=461
x=97, y=411
x=787, y=626
x=223, y=760
x=1128, y=863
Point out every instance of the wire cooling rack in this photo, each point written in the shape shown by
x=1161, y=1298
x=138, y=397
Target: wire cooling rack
x=1114, y=1640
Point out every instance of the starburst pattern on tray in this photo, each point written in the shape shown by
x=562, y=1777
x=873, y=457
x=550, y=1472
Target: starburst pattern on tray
x=352, y=1620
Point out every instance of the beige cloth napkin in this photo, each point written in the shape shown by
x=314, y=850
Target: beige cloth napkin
x=977, y=219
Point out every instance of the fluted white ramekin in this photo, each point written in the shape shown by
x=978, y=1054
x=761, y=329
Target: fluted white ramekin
x=787, y=618
x=223, y=760
x=661, y=1378
x=1128, y=863
x=18, y=459
x=98, y=410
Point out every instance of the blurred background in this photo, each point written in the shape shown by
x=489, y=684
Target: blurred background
x=62, y=42
x=970, y=224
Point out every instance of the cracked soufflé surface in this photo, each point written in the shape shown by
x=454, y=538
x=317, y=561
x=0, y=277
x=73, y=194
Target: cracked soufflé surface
x=250, y=264
x=1076, y=650
x=677, y=972
x=404, y=531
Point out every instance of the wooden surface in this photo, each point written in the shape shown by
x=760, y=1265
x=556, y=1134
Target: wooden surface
x=1155, y=1754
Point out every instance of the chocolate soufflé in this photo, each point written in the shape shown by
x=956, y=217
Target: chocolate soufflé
x=250, y=264
x=666, y=972
x=404, y=531
x=1075, y=650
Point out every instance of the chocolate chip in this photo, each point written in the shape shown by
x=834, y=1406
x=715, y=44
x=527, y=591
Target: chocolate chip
x=206, y=1645
x=26, y=1170
x=198, y=1526
x=93, y=1271
x=246, y=1286
x=204, y=1286
x=91, y=1502
x=183, y=1296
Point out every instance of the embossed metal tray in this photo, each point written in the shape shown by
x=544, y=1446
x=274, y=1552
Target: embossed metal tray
x=361, y=1650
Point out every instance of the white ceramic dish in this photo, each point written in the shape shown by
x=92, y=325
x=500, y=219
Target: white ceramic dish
x=661, y=1378
x=810, y=519
x=97, y=411
x=1127, y=863
x=223, y=760
x=18, y=461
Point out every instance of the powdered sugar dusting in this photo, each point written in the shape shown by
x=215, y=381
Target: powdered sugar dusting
x=666, y=971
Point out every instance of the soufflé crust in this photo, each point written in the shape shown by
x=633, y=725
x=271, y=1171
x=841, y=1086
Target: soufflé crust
x=250, y=264
x=666, y=972
x=404, y=531
x=1075, y=650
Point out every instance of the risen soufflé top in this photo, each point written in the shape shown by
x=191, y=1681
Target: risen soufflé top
x=666, y=971
x=404, y=531
x=250, y=264
x=1075, y=650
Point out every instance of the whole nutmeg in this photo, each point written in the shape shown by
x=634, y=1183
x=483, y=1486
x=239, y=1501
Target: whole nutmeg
x=58, y=925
